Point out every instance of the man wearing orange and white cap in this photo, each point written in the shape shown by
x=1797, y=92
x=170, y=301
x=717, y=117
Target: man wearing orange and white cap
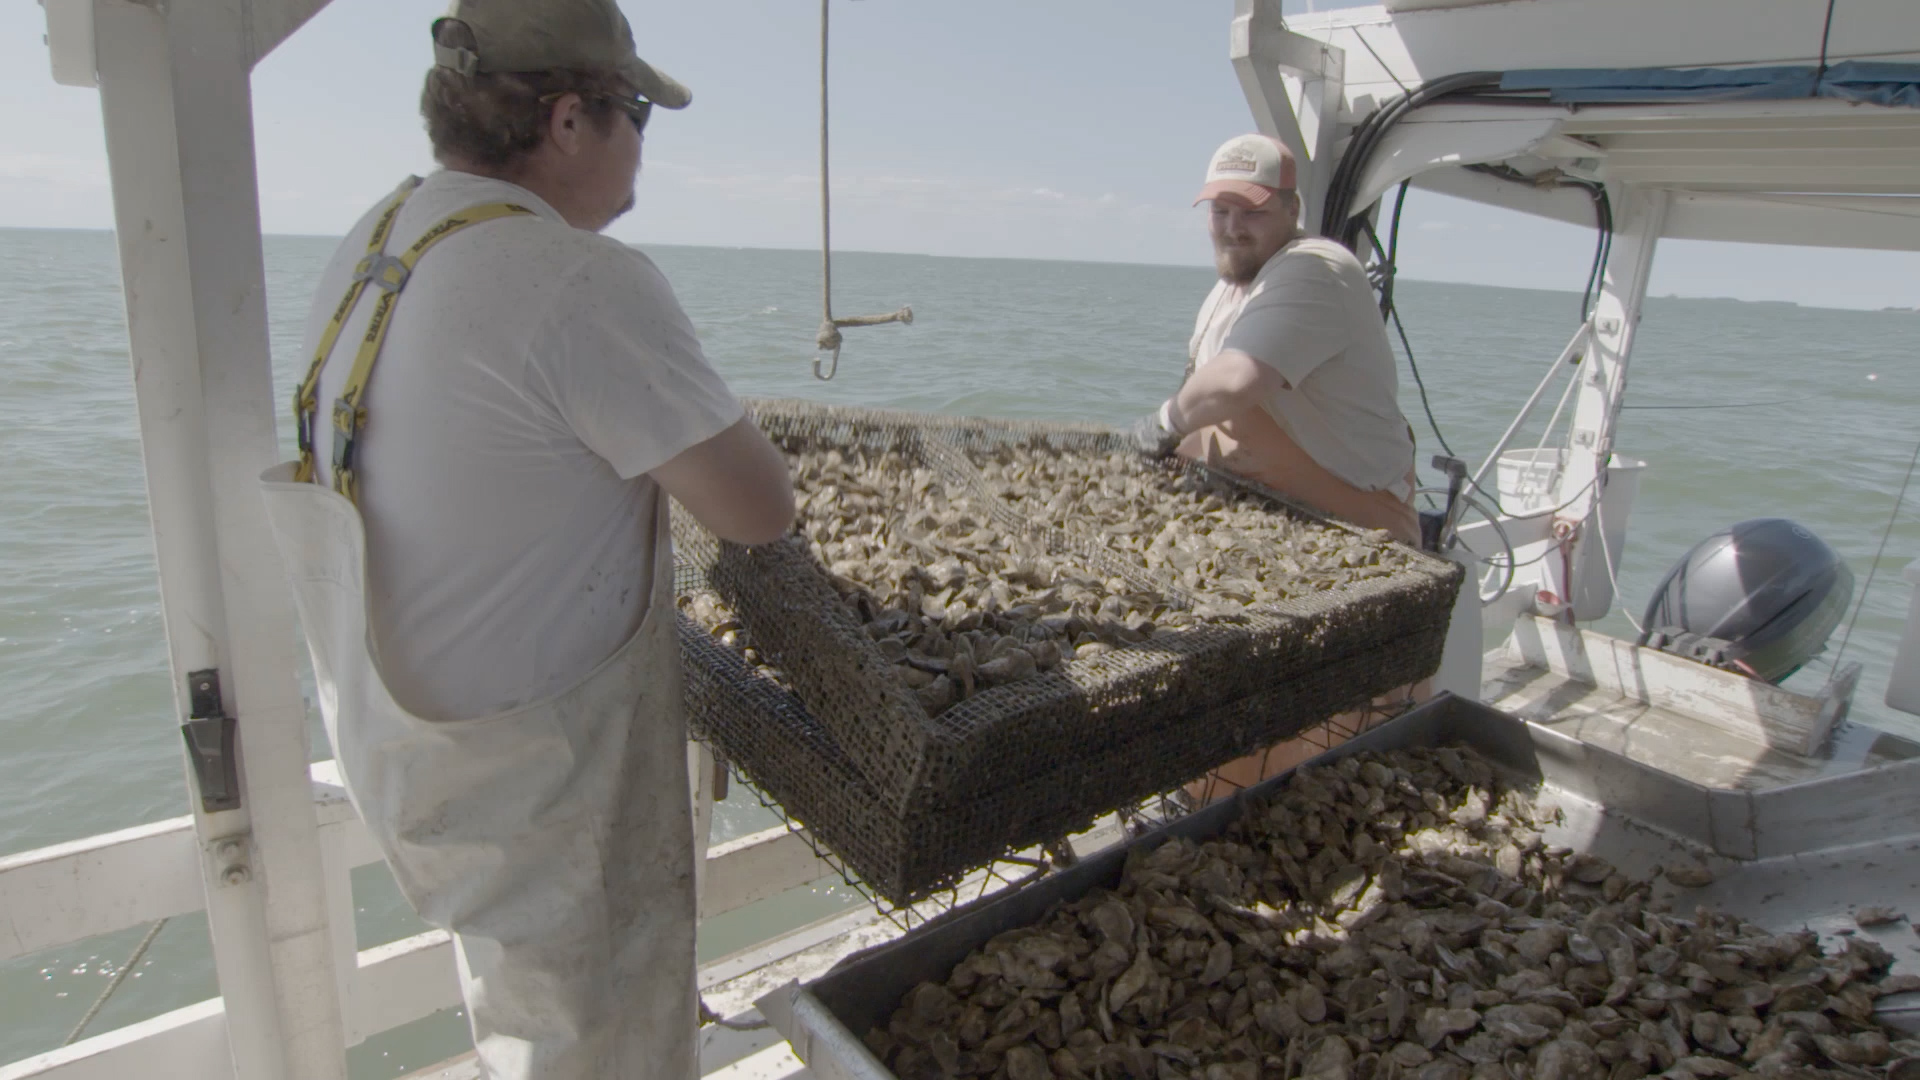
x=1291, y=382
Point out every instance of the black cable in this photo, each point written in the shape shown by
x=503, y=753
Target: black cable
x=1381, y=274
x=1552, y=510
x=1530, y=98
x=1826, y=32
x=1386, y=269
x=1602, y=214
x=1417, y=381
x=1552, y=550
x=1335, y=218
x=1393, y=248
x=1603, y=249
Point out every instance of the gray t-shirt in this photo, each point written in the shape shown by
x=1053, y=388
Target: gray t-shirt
x=1310, y=314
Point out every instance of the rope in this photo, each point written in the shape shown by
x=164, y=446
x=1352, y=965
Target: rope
x=829, y=340
x=119, y=977
x=1730, y=405
x=1892, y=519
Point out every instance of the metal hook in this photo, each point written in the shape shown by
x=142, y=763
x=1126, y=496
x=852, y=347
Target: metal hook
x=832, y=371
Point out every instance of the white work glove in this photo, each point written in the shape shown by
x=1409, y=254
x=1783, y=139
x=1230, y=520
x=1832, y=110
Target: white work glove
x=1154, y=434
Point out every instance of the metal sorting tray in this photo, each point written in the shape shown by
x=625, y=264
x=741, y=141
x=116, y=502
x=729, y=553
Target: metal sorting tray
x=1806, y=855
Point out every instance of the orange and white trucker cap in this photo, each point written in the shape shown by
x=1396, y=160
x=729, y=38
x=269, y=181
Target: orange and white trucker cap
x=552, y=35
x=1252, y=167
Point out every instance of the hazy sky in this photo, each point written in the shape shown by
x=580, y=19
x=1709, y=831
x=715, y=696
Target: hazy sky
x=1069, y=129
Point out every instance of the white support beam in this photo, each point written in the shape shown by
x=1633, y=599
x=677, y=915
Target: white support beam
x=1796, y=140
x=1294, y=87
x=1887, y=223
x=756, y=867
x=1641, y=216
x=1791, y=156
x=185, y=1044
x=403, y=981
x=270, y=22
x=396, y=983
x=176, y=101
x=58, y=895
x=70, y=41
x=1570, y=205
x=1757, y=117
x=1784, y=176
x=1618, y=33
x=1412, y=149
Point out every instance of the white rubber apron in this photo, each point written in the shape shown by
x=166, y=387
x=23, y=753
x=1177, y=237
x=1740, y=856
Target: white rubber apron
x=555, y=841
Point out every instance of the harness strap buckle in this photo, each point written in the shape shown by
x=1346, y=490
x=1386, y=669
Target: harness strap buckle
x=385, y=272
x=346, y=430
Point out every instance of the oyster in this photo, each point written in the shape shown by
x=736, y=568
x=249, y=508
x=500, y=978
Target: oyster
x=957, y=600
x=1390, y=917
x=1210, y=537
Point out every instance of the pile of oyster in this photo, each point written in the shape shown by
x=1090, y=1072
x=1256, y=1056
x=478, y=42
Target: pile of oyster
x=1395, y=917
x=720, y=620
x=1214, y=540
x=958, y=602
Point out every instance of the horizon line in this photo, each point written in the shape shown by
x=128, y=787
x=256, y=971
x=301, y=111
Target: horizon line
x=1030, y=258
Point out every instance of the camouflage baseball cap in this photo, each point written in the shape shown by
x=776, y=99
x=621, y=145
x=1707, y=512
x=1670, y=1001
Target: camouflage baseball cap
x=550, y=35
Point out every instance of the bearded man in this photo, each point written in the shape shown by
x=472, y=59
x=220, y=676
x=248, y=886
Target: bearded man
x=1290, y=379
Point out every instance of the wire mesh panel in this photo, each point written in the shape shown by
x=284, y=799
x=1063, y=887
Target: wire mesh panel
x=913, y=791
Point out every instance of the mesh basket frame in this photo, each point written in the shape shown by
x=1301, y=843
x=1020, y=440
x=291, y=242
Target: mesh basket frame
x=1028, y=763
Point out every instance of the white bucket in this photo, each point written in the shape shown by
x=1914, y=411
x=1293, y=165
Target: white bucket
x=1525, y=479
x=1903, y=686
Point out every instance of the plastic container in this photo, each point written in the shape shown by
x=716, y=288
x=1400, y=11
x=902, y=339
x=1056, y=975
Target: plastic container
x=1526, y=479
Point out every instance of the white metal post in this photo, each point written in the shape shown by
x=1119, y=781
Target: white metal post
x=175, y=95
x=1642, y=214
x=1263, y=52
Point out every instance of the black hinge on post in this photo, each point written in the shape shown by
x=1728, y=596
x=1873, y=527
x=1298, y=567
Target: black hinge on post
x=212, y=738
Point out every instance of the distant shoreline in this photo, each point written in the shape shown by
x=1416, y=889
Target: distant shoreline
x=839, y=252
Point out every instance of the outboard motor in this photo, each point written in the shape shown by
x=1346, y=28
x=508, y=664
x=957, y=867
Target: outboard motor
x=1759, y=598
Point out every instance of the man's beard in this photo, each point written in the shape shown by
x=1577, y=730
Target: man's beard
x=1238, y=265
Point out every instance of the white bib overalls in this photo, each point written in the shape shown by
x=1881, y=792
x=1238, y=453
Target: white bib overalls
x=554, y=841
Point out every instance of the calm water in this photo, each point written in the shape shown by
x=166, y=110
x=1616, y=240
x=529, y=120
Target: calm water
x=87, y=742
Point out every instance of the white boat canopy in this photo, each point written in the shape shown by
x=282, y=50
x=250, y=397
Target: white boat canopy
x=1760, y=167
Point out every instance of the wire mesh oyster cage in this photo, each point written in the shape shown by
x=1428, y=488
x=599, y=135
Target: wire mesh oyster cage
x=928, y=678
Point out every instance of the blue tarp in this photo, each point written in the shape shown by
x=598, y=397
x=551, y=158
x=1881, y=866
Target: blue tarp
x=1867, y=81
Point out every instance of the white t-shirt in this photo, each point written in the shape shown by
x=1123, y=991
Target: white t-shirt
x=534, y=373
x=1310, y=314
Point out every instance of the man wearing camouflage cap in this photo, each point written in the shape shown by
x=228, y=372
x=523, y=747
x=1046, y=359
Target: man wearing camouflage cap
x=476, y=534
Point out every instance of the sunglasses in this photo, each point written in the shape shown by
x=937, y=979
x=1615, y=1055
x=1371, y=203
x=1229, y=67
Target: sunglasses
x=637, y=109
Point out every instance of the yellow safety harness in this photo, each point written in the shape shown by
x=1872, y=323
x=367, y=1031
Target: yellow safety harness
x=389, y=274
